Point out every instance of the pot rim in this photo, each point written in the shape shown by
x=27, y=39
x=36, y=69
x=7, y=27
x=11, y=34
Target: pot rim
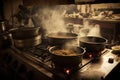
x=72, y=35
x=28, y=39
x=82, y=53
x=23, y=29
x=89, y=42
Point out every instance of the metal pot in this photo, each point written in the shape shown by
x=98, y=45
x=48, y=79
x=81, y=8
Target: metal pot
x=92, y=43
x=67, y=61
x=61, y=38
x=26, y=43
x=25, y=32
x=25, y=37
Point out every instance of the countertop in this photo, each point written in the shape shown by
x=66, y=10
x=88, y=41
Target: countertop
x=97, y=19
x=104, y=19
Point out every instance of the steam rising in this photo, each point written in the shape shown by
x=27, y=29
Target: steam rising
x=52, y=20
x=95, y=31
x=90, y=30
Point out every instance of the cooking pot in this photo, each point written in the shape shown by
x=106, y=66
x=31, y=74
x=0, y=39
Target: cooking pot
x=67, y=60
x=92, y=43
x=60, y=38
x=26, y=43
x=24, y=32
x=25, y=37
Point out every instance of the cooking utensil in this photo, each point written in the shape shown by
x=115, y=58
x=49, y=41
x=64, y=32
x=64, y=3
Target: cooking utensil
x=67, y=60
x=92, y=43
x=116, y=49
x=26, y=43
x=25, y=32
x=61, y=38
x=24, y=37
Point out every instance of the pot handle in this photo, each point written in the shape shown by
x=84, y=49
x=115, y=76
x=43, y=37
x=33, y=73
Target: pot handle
x=8, y=31
x=84, y=48
x=50, y=48
x=12, y=29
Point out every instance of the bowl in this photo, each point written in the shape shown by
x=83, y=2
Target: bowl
x=116, y=49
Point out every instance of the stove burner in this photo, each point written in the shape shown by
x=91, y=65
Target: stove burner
x=67, y=70
x=92, y=54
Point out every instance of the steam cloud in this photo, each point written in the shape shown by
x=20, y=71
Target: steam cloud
x=52, y=19
x=95, y=31
x=90, y=30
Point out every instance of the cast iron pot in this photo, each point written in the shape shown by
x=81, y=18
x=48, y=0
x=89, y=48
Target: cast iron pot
x=25, y=32
x=67, y=61
x=92, y=43
x=61, y=38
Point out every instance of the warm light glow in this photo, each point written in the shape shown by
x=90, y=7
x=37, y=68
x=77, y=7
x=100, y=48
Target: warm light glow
x=90, y=55
x=67, y=71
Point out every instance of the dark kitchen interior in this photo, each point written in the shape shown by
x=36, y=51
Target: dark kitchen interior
x=59, y=39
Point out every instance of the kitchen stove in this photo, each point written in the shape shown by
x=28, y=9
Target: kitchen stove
x=35, y=64
x=41, y=54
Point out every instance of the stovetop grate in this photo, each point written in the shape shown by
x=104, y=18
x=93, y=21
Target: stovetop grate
x=41, y=52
